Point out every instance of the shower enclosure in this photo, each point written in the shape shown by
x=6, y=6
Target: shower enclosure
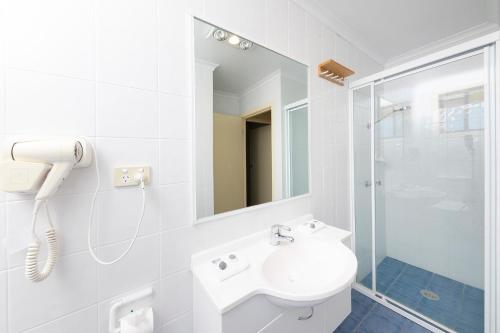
x=424, y=188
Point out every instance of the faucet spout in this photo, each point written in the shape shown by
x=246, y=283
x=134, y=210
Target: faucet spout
x=277, y=236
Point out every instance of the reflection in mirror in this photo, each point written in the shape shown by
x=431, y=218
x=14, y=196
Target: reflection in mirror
x=251, y=123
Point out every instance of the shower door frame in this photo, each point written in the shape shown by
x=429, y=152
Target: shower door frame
x=489, y=46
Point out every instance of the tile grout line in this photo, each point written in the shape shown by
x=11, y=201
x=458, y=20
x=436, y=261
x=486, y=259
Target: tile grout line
x=461, y=306
x=158, y=152
x=95, y=80
x=95, y=232
x=177, y=317
x=365, y=316
x=396, y=278
x=65, y=315
x=90, y=192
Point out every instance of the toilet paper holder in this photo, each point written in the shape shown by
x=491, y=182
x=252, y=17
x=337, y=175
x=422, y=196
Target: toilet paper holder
x=122, y=302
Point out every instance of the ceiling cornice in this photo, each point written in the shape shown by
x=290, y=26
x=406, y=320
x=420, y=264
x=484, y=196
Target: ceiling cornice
x=328, y=18
x=460, y=37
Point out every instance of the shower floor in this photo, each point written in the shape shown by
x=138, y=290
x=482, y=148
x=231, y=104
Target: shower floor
x=367, y=316
x=449, y=302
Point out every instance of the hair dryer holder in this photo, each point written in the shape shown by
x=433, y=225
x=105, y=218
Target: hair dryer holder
x=27, y=176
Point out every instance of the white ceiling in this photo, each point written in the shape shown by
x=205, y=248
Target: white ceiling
x=238, y=70
x=388, y=29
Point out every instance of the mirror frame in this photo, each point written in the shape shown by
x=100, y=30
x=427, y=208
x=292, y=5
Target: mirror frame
x=192, y=64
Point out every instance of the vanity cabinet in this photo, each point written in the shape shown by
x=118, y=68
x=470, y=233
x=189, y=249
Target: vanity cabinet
x=259, y=315
x=250, y=285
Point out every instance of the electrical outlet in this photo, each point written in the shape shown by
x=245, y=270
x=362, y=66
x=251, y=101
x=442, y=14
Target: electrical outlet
x=129, y=175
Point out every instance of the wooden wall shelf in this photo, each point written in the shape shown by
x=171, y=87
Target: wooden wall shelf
x=334, y=72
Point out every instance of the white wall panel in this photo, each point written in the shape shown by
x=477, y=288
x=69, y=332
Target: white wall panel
x=120, y=73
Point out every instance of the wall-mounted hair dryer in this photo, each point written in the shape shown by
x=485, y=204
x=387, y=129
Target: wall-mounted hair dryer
x=61, y=156
x=40, y=167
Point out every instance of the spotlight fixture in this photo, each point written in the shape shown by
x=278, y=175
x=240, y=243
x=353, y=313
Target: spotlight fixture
x=234, y=40
x=220, y=35
x=245, y=44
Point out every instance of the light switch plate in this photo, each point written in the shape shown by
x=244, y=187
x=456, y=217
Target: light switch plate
x=128, y=175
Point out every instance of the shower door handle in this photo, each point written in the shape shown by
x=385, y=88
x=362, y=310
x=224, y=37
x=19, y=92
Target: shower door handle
x=369, y=183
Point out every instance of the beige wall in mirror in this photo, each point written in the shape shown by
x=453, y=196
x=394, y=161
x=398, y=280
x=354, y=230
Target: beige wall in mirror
x=251, y=123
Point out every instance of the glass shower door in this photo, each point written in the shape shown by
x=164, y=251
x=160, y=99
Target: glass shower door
x=429, y=198
x=361, y=100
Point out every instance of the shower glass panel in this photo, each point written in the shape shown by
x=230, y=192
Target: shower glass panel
x=429, y=198
x=297, y=149
x=362, y=181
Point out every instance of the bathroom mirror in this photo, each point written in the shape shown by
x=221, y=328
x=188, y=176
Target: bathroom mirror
x=251, y=123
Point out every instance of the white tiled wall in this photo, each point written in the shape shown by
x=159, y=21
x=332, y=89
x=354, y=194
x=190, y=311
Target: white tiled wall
x=119, y=72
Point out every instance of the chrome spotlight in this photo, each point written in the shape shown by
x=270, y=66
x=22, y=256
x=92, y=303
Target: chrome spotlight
x=245, y=44
x=220, y=35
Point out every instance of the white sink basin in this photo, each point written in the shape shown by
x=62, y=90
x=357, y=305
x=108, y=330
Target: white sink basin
x=308, y=272
x=315, y=267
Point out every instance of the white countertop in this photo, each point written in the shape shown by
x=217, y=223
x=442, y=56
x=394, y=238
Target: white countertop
x=254, y=250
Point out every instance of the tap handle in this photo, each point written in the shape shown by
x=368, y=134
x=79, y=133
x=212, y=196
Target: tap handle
x=278, y=227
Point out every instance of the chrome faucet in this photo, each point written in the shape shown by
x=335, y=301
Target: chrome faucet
x=277, y=237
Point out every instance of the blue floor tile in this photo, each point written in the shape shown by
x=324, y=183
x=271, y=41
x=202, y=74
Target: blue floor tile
x=383, y=281
x=367, y=316
x=390, y=266
x=473, y=311
x=474, y=293
x=381, y=319
x=404, y=293
x=473, y=307
x=361, y=305
x=440, y=311
x=443, y=285
x=472, y=315
x=447, y=309
x=387, y=272
x=469, y=324
x=415, y=276
x=406, y=288
x=367, y=281
x=460, y=307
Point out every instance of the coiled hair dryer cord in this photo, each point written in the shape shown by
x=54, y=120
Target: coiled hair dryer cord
x=31, y=269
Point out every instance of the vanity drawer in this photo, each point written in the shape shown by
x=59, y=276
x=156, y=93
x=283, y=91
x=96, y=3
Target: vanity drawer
x=288, y=321
x=258, y=315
